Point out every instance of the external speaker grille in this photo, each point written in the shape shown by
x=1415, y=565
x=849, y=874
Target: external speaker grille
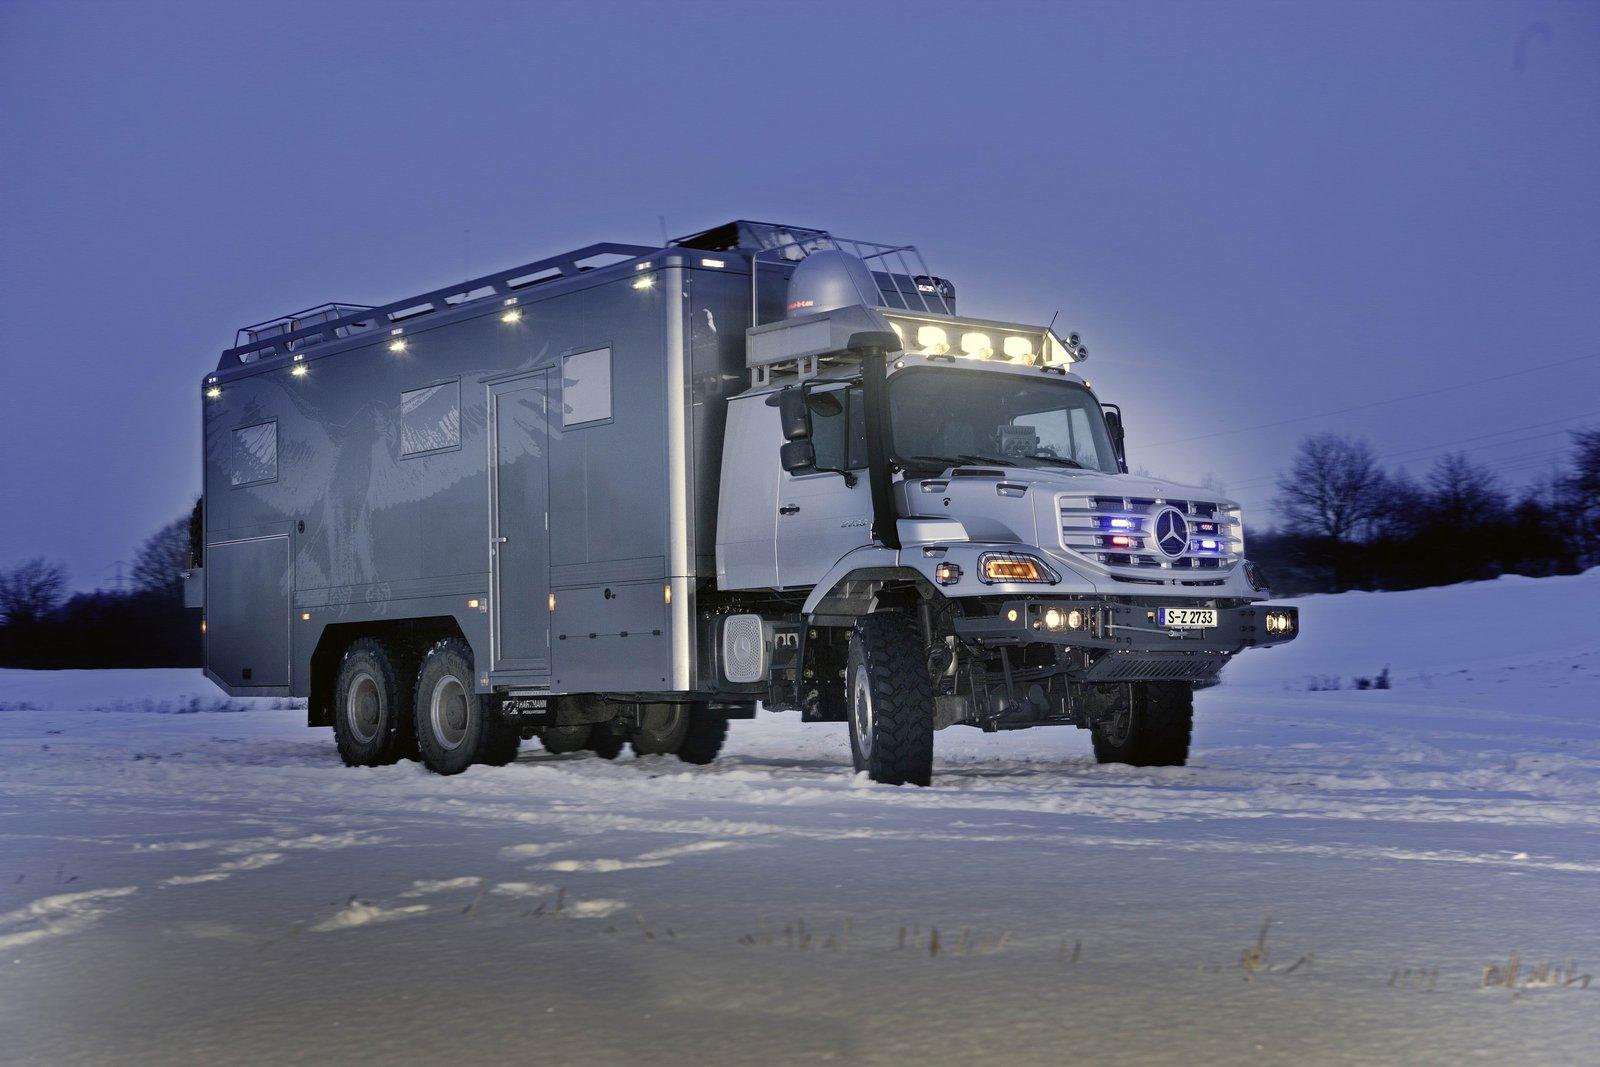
x=744, y=648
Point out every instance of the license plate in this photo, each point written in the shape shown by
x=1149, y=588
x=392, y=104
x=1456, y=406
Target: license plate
x=1188, y=618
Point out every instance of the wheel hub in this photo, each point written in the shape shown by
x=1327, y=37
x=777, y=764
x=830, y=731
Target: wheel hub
x=861, y=711
x=447, y=713
x=363, y=707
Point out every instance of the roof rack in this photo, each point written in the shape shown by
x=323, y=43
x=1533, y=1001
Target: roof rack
x=297, y=320
x=328, y=322
x=910, y=288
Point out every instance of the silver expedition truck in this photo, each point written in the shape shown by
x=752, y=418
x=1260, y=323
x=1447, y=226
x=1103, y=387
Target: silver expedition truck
x=625, y=494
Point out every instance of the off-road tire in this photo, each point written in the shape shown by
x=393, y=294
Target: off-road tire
x=1160, y=720
x=605, y=742
x=502, y=743
x=662, y=728
x=468, y=730
x=887, y=667
x=561, y=740
x=372, y=706
x=703, y=740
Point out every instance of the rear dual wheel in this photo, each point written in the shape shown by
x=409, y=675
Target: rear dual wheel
x=692, y=732
x=372, y=722
x=456, y=726
x=599, y=739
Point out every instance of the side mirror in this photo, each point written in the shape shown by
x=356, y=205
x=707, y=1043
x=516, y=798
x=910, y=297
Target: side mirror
x=792, y=414
x=1118, y=436
x=796, y=456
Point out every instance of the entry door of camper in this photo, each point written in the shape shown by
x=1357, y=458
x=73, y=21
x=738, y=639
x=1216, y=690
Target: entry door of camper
x=519, y=521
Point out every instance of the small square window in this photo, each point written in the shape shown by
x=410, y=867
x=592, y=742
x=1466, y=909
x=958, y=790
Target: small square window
x=430, y=419
x=586, y=387
x=255, y=454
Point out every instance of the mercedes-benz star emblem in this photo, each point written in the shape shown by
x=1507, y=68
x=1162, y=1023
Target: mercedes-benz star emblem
x=1172, y=533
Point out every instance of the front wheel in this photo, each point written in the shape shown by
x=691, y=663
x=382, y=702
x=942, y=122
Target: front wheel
x=890, y=700
x=1151, y=727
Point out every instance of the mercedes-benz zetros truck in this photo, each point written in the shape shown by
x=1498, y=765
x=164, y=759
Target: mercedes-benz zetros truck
x=627, y=493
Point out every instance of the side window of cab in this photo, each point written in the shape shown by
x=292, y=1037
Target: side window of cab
x=838, y=428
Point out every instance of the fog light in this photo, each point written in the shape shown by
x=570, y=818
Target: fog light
x=1074, y=619
x=1011, y=616
x=1052, y=619
x=947, y=573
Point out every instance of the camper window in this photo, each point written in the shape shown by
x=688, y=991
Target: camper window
x=586, y=387
x=430, y=419
x=255, y=454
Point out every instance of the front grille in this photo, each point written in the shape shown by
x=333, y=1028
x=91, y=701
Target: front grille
x=1121, y=533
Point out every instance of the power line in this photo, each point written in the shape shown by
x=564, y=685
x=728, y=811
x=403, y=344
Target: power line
x=1461, y=441
x=1377, y=403
x=1516, y=464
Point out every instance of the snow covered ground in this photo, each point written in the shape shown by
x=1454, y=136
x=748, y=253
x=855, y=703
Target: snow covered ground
x=188, y=879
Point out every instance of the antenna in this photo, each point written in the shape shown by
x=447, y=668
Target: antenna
x=119, y=581
x=665, y=240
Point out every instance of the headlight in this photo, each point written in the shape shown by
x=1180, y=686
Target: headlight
x=1279, y=622
x=997, y=567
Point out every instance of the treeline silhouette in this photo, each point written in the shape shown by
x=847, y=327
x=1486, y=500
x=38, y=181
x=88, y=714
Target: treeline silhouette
x=1347, y=523
x=143, y=626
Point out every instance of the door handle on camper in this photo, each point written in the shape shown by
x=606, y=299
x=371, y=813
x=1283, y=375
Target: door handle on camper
x=788, y=509
x=499, y=540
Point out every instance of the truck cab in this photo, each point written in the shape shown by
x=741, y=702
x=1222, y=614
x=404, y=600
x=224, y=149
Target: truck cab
x=952, y=500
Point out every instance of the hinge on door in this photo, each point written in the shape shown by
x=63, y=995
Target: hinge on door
x=547, y=520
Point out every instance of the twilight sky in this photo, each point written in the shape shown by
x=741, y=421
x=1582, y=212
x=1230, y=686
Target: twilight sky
x=1253, y=214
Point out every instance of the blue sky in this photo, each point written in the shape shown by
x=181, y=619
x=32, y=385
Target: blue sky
x=1253, y=213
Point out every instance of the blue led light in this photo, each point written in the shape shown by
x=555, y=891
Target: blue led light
x=1119, y=524
x=1209, y=545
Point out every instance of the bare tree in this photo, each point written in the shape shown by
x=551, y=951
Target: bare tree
x=1404, y=511
x=30, y=591
x=1463, y=494
x=1335, y=488
x=1579, y=492
x=159, y=566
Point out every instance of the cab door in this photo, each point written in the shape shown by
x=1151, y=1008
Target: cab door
x=826, y=513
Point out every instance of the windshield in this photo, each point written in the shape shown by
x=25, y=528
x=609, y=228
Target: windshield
x=947, y=417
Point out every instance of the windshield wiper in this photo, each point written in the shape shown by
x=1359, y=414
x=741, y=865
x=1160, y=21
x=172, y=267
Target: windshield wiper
x=961, y=459
x=1064, y=461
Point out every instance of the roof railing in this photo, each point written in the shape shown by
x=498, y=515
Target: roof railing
x=328, y=322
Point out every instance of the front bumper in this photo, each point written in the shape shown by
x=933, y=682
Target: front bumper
x=1127, y=627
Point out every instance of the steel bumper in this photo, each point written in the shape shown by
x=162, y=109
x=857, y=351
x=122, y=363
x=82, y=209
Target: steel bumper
x=1128, y=627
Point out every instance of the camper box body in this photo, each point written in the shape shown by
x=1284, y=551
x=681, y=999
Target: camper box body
x=535, y=464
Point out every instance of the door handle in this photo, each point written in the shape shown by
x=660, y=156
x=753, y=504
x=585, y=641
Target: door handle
x=499, y=540
x=788, y=509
